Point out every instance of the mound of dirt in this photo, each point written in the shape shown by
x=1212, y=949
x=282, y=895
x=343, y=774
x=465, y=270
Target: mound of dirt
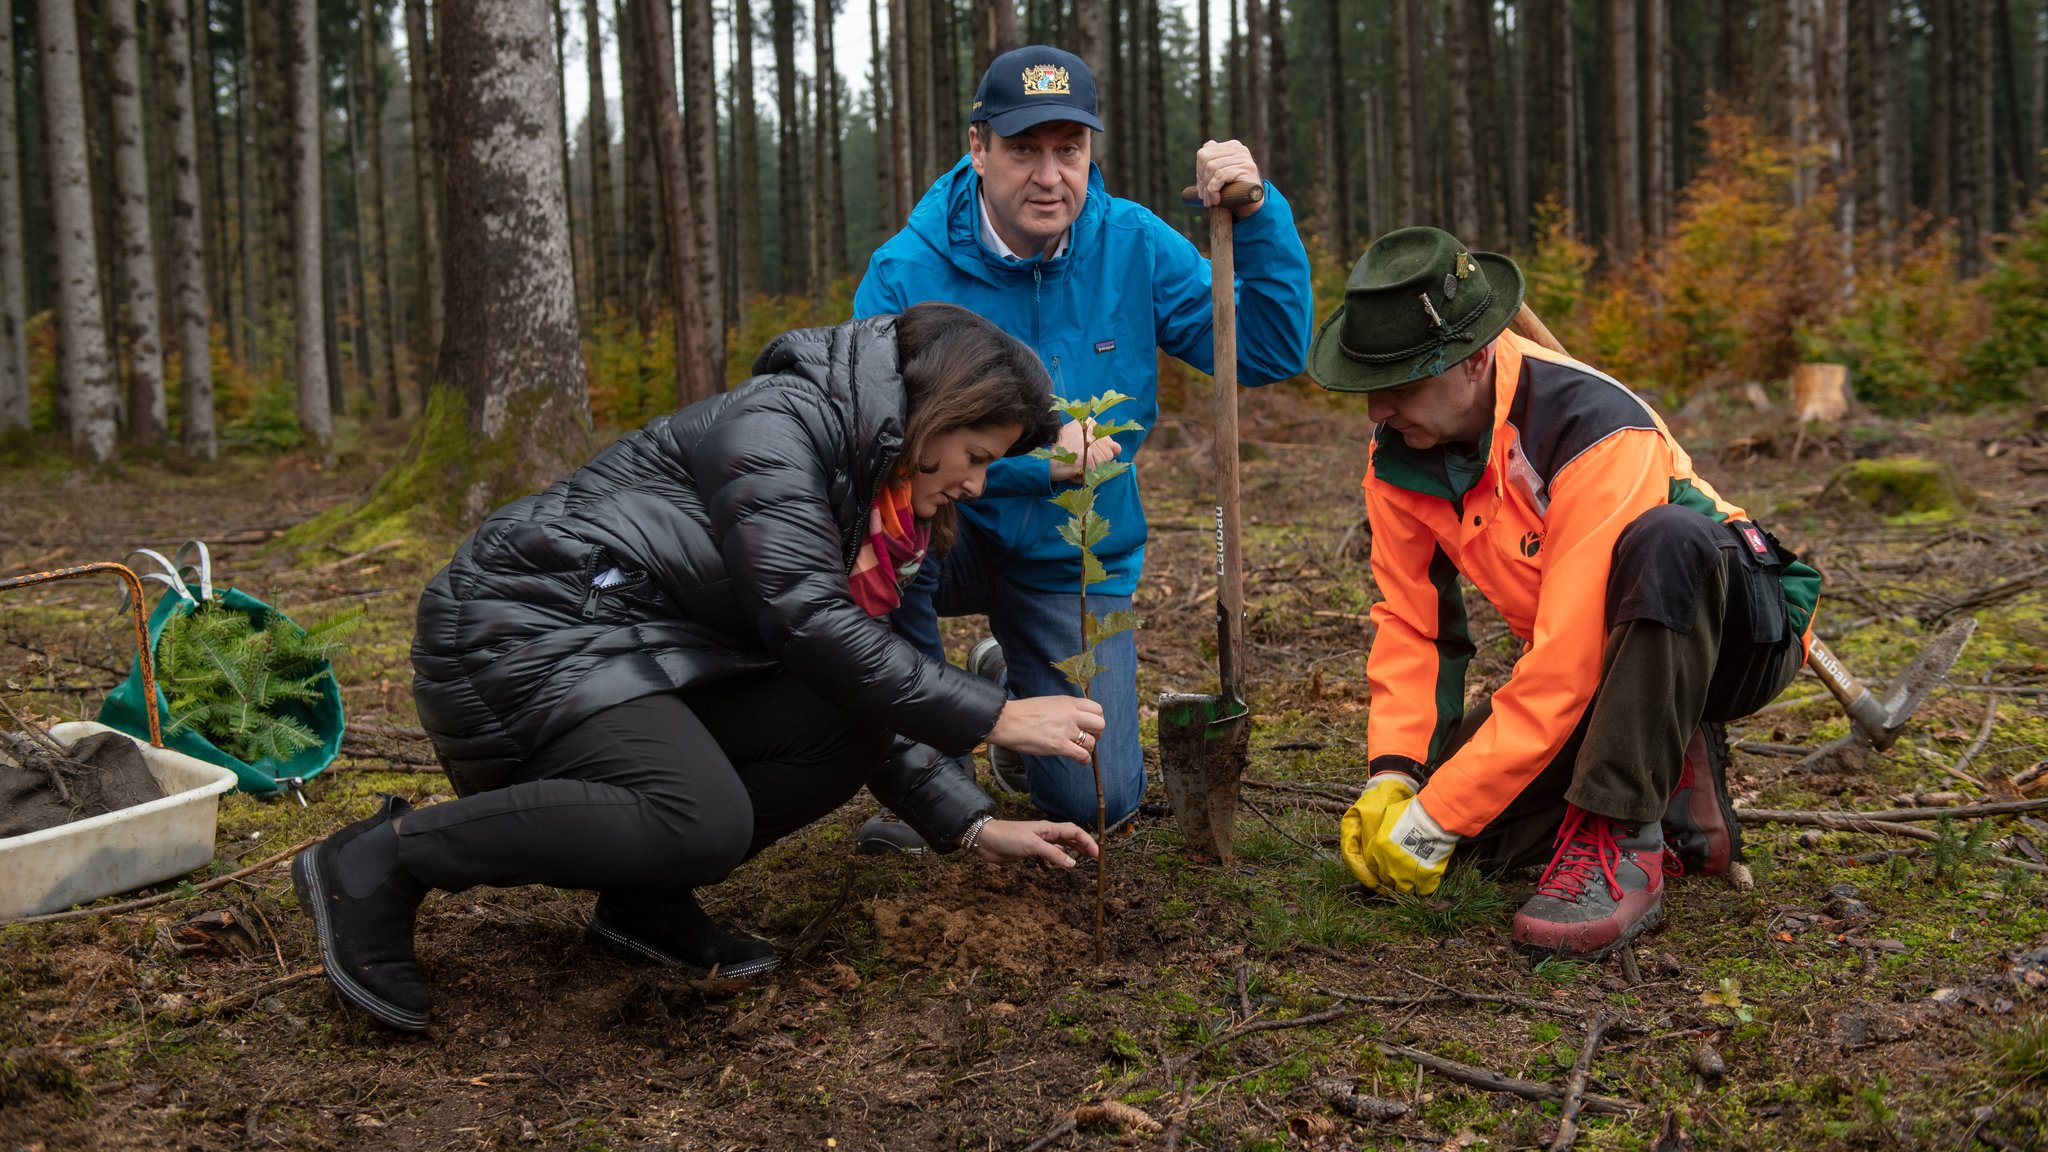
x=104, y=772
x=1021, y=934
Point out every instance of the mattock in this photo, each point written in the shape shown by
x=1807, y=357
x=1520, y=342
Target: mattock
x=1873, y=723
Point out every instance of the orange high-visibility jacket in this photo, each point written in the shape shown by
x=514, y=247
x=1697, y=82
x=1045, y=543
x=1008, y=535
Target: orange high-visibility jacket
x=1574, y=457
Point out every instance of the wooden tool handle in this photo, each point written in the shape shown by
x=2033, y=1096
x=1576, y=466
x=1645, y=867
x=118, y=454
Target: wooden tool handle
x=1529, y=327
x=1229, y=551
x=1236, y=194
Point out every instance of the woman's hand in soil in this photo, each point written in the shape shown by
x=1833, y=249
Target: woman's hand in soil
x=1049, y=726
x=1009, y=841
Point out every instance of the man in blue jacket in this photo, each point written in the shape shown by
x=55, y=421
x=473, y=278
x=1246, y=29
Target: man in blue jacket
x=1023, y=232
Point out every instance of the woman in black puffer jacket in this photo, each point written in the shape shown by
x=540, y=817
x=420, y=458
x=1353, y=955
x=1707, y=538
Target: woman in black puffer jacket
x=677, y=655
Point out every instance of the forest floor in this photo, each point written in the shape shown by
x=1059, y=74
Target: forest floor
x=1867, y=992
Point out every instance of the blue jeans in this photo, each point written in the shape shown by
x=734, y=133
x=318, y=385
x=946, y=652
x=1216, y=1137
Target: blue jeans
x=1036, y=628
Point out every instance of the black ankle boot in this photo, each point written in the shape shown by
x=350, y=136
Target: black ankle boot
x=675, y=930
x=362, y=903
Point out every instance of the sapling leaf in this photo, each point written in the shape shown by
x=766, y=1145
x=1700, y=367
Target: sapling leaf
x=1097, y=405
x=1077, y=502
x=1075, y=410
x=1092, y=572
x=1104, y=472
x=1114, y=427
x=1121, y=620
x=1056, y=452
x=1079, y=669
x=1071, y=533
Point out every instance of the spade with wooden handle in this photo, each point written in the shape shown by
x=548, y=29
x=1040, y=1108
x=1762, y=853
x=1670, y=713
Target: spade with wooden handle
x=1204, y=740
x=1873, y=723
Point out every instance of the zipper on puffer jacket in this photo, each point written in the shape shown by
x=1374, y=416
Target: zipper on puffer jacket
x=866, y=513
x=592, y=565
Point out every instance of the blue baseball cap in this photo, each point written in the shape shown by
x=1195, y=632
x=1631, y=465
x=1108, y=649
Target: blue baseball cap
x=1034, y=84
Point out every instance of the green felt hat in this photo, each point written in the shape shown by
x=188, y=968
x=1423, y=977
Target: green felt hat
x=1417, y=303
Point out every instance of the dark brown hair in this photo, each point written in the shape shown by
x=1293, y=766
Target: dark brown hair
x=961, y=371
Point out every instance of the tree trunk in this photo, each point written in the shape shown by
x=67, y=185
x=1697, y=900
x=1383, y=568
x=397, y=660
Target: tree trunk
x=1493, y=162
x=878, y=82
x=1279, y=139
x=604, y=252
x=512, y=350
x=1408, y=207
x=901, y=176
x=1518, y=124
x=1233, y=55
x=141, y=323
x=1156, y=188
x=274, y=114
x=2020, y=159
x=1565, y=149
x=746, y=133
x=700, y=107
x=1205, y=95
x=947, y=128
x=308, y=297
x=382, y=309
x=187, y=255
x=695, y=379
x=995, y=23
x=789, y=154
x=1464, y=161
x=824, y=264
x=14, y=410
x=1624, y=162
x=1089, y=37
x=200, y=99
x=645, y=270
x=1257, y=124
x=355, y=263
x=1735, y=81
x=249, y=202
x=561, y=58
x=1982, y=122
x=426, y=192
x=90, y=391
x=1336, y=111
x=1657, y=205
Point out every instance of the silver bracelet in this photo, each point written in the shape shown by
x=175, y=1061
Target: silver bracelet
x=968, y=838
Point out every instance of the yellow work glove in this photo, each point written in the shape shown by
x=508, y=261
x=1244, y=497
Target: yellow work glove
x=1362, y=822
x=1408, y=852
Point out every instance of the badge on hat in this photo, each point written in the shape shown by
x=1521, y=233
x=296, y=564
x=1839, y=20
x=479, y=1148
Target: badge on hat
x=1047, y=80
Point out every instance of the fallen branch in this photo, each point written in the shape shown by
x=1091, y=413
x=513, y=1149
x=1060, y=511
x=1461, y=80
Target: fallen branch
x=1451, y=996
x=1493, y=1082
x=1052, y=1136
x=1959, y=811
x=814, y=932
x=331, y=565
x=1856, y=822
x=1763, y=748
x=166, y=897
x=1977, y=745
x=1575, y=1084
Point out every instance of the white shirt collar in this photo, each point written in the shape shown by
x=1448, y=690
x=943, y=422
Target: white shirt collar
x=995, y=244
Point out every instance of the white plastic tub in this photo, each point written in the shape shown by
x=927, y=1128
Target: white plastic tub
x=84, y=860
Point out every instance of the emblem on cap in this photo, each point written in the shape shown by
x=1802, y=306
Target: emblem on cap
x=1047, y=80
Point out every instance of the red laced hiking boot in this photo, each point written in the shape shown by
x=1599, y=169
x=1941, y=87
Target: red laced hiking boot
x=1603, y=888
x=1701, y=833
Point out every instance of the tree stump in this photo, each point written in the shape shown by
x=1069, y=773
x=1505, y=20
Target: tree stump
x=1820, y=392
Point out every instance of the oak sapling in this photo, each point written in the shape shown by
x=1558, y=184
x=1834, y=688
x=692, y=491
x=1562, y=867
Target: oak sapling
x=1084, y=529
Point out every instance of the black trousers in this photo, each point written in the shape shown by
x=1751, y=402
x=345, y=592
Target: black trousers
x=656, y=795
x=1696, y=631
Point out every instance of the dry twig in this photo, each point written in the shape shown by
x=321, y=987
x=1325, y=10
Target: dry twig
x=1575, y=1084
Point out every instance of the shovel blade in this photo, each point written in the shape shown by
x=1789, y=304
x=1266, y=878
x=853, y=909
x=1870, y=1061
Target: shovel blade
x=1204, y=744
x=1927, y=670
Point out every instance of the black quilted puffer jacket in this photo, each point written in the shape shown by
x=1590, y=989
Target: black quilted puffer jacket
x=735, y=523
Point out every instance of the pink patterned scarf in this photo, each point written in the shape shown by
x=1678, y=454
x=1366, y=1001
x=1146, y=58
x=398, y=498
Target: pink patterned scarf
x=889, y=558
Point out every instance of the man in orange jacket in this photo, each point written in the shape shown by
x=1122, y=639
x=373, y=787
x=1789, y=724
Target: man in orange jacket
x=1645, y=604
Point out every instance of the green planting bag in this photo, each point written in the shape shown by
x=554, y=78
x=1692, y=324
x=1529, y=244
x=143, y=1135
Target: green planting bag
x=316, y=715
